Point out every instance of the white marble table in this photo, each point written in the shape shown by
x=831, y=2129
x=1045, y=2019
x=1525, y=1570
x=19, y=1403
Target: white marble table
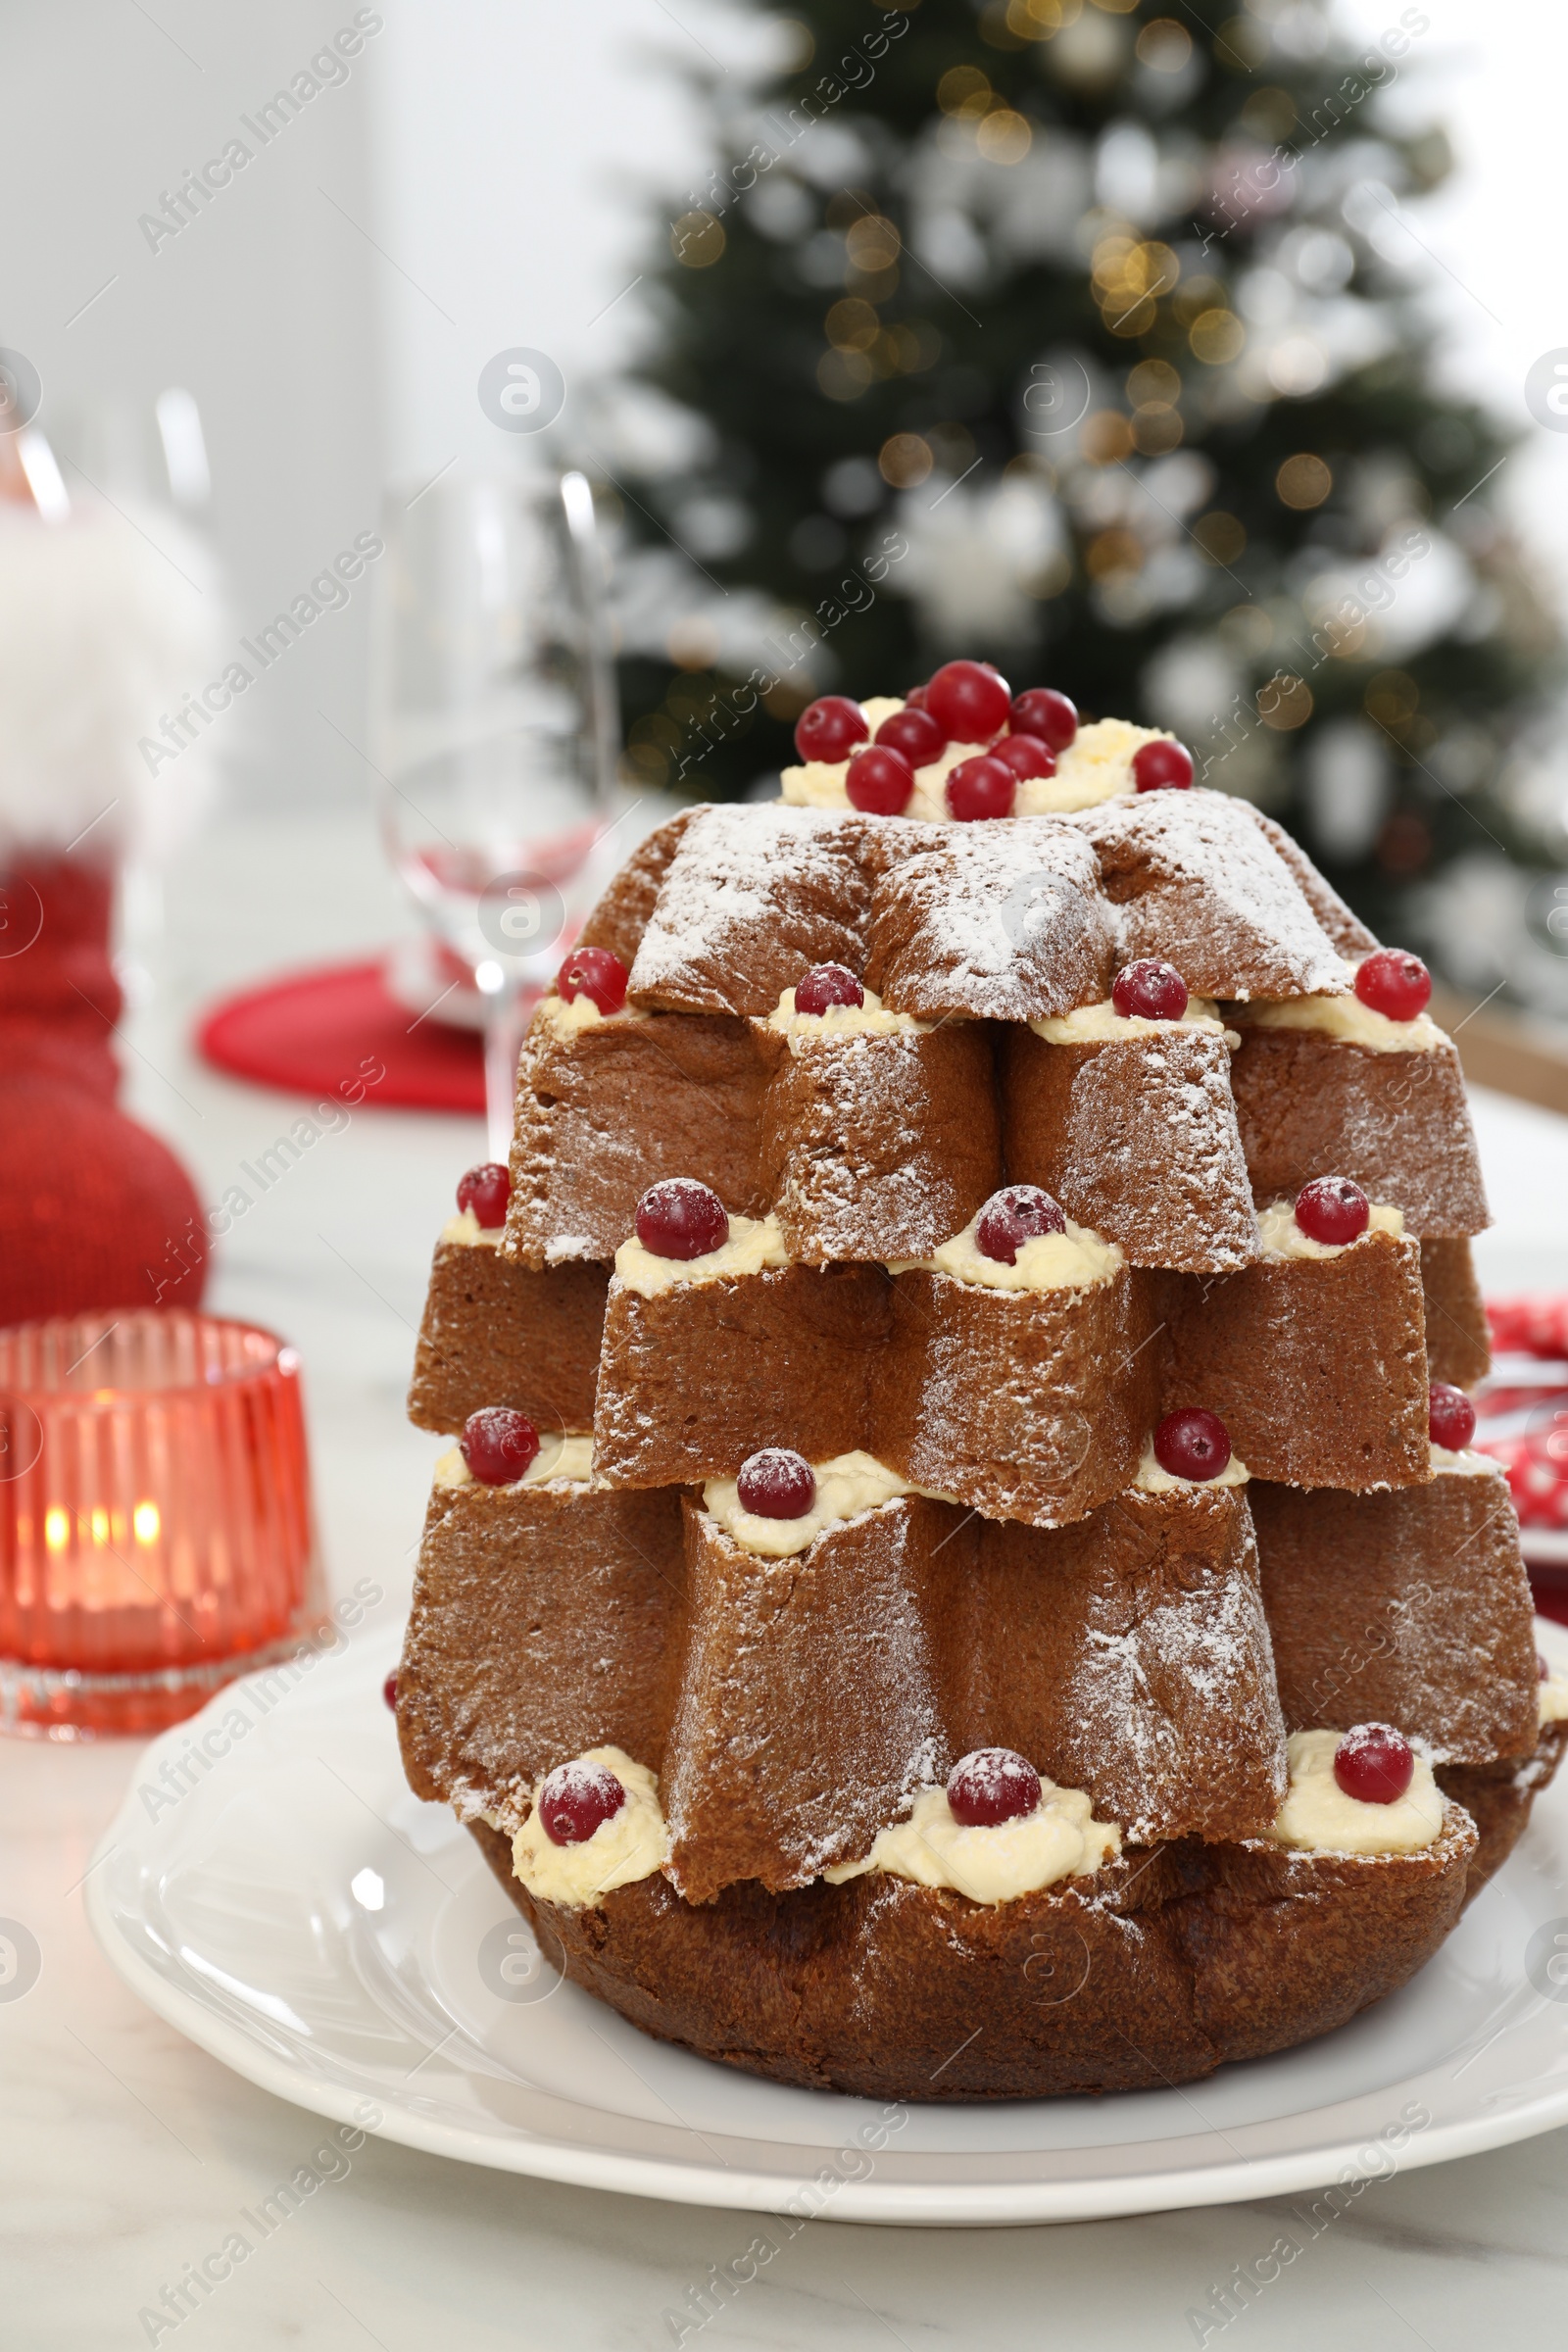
x=126, y=2153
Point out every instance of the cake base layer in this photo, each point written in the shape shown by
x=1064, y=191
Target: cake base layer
x=1498, y=1796
x=497, y=1333
x=1155, y=1971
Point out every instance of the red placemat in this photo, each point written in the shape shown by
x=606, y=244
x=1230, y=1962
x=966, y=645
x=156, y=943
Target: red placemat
x=326, y=1031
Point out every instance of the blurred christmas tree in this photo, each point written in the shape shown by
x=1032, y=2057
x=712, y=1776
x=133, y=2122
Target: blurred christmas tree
x=1089, y=341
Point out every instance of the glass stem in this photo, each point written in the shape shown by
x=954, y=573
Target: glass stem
x=505, y=1022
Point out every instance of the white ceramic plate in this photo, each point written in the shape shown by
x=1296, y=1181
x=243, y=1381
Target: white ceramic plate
x=292, y=1908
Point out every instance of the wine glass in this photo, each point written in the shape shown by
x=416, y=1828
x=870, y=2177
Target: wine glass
x=495, y=733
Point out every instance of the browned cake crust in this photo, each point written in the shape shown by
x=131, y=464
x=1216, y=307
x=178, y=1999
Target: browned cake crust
x=1498, y=1797
x=1022, y=1404
x=1101, y=1651
x=753, y=897
x=1127, y=1656
x=1397, y=1125
x=1459, y=1337
x=1002, y=921
x=1200, y=884
x=1119, y=1639
x=1344, y=930
x=1137, y=1139
x=1155, y=1971
x=497, y=1333
x=521, y=1594
x=621, y=917
x=1345, y=1929
x=1410, y=1608
x=772, y=1787
x=1316, y=1367
x=696, y=1378
x=723, y=907
x=881, y=1148
x=608, y=1112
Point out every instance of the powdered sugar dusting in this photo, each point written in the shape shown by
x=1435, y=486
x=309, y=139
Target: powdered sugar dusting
x=752, y=895
x=1002, y=921
x=1197, y=881
x=760, y=1785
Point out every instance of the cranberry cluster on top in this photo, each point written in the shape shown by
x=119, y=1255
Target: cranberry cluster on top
x=966, y=701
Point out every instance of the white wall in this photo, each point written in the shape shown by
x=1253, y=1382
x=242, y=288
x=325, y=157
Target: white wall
x=261, y=305
x=516, y=145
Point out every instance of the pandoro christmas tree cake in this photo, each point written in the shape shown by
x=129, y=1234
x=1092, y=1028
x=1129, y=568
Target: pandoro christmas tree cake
x=961, y=1575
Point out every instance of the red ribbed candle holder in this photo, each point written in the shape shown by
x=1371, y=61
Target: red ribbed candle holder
x=156, y=1530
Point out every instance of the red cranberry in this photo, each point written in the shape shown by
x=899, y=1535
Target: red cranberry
x=597, y=975
x=830, y=728
x=827, y=984
x=991, y=1785
x=915, y=734
x=486, y=1190
x=1374, y=1763
x=1046, y=714
x=1543, y=1669
x=1450, y=1417
x=880, y=781
x=1395, y=984
x=498, y=1444
x=1025, y=755
x=1193, y=1443
x=1151, y=990
x=980, y=788
x=389, y=1691
x=971, y=700
x=1162, y=766
x=577, y=1798
x=1018, y=1213
x=777, y=1484
x=681, y=1218
x=915, y=699
x=1333, y=1210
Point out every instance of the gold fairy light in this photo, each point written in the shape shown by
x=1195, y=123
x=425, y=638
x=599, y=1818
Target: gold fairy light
x=904, y=460
x=1303, y=481
x=1154, y=381
x=1004, y=136
x=1041, y=20
x=844, y=375
x=1105, y=437
x=852, y=325
x=872, y=245
x=1269, y=114
x=1285, y=702
x=1156, y=428
x=1216, y=336
x=1164, y=46
x=1108, y=263
x=698, y=240
x=1391, y=698
x=916, y=346
x=964, y=91
x=1113, y=553
x=1220, y=536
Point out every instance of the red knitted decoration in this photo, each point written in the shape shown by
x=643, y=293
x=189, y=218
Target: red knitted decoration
x=94, y=1212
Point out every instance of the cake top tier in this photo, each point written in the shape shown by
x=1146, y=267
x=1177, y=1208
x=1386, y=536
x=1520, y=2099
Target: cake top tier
x=1014, y=918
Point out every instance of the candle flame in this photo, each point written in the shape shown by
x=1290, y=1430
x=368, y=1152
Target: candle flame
x=146, y=1522
x=57, y=1528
